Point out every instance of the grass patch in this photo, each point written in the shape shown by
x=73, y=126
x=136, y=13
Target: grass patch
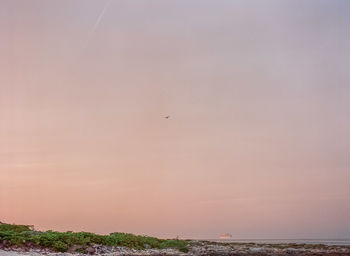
x=22, y=235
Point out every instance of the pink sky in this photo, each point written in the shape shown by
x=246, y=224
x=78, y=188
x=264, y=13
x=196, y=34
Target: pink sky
x=258, y=139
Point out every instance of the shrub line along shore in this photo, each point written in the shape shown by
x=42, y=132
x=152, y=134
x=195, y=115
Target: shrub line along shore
x=17, y=240
x=25, y=236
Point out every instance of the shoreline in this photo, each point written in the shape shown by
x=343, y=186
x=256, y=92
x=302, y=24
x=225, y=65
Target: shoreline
x=329, y=242
x=196, y=247
x=24, y=240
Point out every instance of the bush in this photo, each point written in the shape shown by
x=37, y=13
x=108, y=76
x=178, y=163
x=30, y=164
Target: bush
x=61, y=241
x=59, y=246
x=15, y=228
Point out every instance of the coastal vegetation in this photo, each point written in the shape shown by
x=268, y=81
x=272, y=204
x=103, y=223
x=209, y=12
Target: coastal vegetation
x=25, y=235
x=19, y=238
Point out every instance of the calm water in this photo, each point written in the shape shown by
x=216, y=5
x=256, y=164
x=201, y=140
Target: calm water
x=287, y=241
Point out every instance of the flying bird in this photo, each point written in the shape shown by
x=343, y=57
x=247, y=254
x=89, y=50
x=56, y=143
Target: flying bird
x=167, y=117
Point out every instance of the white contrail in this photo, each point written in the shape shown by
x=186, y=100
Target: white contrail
x=92, y=31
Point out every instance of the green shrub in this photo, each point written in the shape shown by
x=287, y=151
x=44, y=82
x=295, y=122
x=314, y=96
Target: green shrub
x=59, y=246
x=61, y=241
x=15, y=228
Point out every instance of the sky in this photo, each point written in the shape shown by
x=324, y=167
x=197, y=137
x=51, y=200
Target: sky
x=258, y=139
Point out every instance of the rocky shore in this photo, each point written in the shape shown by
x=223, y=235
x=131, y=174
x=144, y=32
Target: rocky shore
x=196, y=248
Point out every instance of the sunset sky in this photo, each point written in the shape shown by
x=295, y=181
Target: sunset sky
x=258, y=139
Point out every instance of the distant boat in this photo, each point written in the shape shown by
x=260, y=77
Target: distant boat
x=225, y=236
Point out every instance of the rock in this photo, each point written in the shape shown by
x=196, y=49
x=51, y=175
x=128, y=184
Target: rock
x=75, y=248
x=147, y=246
x=90, y=250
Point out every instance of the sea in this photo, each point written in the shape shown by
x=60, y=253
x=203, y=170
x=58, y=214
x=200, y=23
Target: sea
x=286, y=241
